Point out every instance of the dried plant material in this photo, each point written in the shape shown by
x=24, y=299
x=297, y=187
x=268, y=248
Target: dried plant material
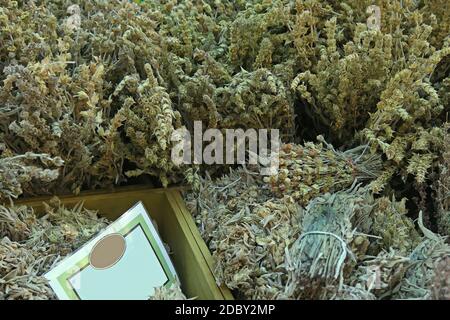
x=352, y=293
x=248, y=100
x=71, y=73
x=306, y=171
x=394, y=229
x=73, y=22
x=341, y=246
x=91, y=91
x=77, y=96
x=357, y=76
x=21, y=271
x=442, y=188
x=441, y=285
x=248, y=233
x=382, y=274
x=438, y=19
x=149, y=121
x=331, y=241
x=32, y=245
x=380, y=83
x=256, y=238
x=414, y=150
x=255, y=100
x=22, y=173
x=172, y=292
x=419, y=278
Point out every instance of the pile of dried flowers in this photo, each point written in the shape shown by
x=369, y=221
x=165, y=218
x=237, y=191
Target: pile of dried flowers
x=91, y=92
x=342, y=245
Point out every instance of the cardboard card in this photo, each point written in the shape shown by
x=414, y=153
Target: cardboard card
x=126, y=261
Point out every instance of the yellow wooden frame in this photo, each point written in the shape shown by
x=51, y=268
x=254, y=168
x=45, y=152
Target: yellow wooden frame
x=191, y=257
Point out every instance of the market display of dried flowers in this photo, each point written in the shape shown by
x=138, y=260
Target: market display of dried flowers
x=71, y=89
x=91, y=92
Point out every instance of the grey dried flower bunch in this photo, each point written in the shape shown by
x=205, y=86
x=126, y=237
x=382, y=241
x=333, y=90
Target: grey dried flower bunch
x=332, y=239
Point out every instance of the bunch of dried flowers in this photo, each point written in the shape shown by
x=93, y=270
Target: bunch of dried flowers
x=309, y=170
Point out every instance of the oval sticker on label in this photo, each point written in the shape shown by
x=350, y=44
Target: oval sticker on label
x=107, y=251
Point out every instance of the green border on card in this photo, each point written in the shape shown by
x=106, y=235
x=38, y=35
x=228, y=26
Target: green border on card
x=63, y=279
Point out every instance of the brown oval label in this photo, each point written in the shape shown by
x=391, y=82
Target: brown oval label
x=107, y=251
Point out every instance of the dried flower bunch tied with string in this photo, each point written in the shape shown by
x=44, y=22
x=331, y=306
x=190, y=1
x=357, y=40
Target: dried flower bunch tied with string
x=338, y=247
x=332, y=239
x=306, y=171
